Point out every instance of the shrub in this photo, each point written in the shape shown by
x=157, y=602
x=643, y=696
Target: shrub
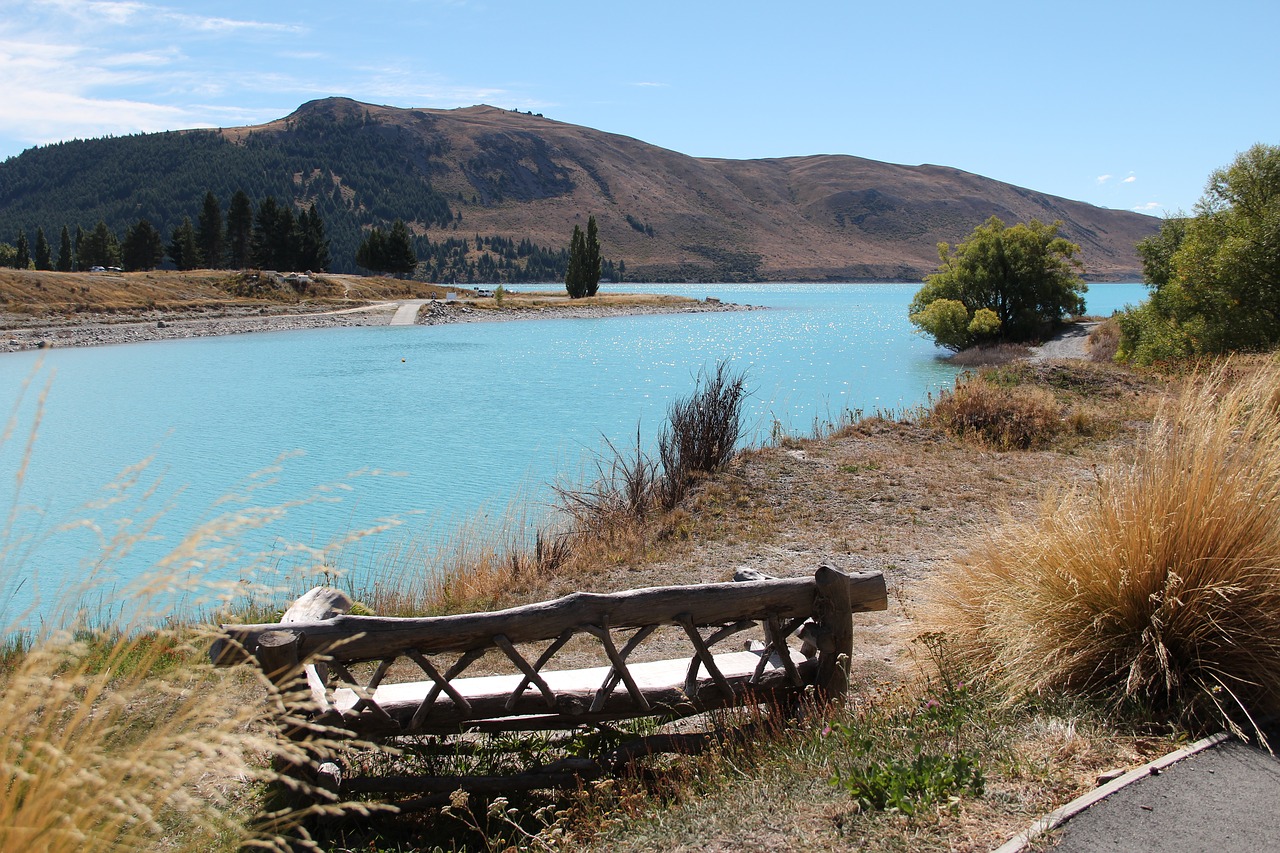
x=1006, y=418
x=1159, y=587
x=1104, y=341
x=702, y=432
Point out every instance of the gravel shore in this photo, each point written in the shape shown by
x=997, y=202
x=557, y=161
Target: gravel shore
x=22, y=333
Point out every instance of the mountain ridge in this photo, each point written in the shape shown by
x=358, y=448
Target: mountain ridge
x=483, y=170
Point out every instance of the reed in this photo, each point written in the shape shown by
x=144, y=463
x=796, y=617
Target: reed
x=1158, y=586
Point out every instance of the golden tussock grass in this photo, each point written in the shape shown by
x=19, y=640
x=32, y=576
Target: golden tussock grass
x=1158, y=585
x=1005, y=418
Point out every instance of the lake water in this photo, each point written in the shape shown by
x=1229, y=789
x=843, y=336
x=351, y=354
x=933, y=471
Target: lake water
x=435, y=425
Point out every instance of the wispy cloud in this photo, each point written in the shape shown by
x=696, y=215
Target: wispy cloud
x=1102, y=179
x=650, y=84
x=1151, y=205
x=1129, y=179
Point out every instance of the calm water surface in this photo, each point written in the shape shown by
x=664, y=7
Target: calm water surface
x=442, y=424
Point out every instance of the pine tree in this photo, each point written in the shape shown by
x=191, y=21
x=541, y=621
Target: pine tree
x=400, y=258
x=44, y=255
x=372, y=254
x=183, y=247
x=239, y=234
x=65, y=259
x=209, y=231
x=312, y=244
x=22, y=257
x=143, y=247
x=75, y=249
x=98, y=248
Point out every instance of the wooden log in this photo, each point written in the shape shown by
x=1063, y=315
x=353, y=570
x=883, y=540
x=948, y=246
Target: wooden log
x=375, y=637
x=277, y=656
x=835, y=617
x=315, y=605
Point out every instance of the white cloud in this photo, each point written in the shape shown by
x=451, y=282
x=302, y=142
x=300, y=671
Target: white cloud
x=1129, y=180
x=1151, y=205
x=1102, y=179
x=649, y=84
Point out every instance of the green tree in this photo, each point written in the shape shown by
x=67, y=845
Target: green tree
x=273, y=235
x=99, y=248
x=239, y=233
x=311, y=244
x=66, y=260
x=372, y=252
x=209, y=231
x=1024, y=276
x=400, y=258
x=143, y=246
x=184, y=249
x=75, y=248
x=575, y=276
x=1214, y=276
x=22, y=255
x=44, y=254
x=591, y=263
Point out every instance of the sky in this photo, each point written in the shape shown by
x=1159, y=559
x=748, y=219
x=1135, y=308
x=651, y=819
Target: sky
x=1126, y=104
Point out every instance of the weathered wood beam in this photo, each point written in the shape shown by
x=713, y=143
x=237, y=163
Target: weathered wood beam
x=375, y=637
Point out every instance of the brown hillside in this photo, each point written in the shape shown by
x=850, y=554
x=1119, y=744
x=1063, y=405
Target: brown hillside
x=809, y=218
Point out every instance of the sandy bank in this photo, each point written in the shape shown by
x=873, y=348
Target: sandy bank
x=24, y=334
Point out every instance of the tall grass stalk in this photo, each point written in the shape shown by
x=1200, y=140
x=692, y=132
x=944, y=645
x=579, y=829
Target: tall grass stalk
x=1159, y=585
x=115, y=731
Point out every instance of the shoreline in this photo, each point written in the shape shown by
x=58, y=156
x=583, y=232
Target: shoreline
x=176, y=325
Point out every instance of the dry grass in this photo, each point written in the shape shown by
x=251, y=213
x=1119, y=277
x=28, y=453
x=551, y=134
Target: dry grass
x=118, y=733
x=1104, y=341
x=1005, y=418
x=1160, y=584
x=49, y=295
x=985, y=356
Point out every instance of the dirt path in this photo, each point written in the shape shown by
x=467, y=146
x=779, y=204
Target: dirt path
x=1069, y=343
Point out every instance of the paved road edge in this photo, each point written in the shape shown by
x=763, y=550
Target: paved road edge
x=1058, y=816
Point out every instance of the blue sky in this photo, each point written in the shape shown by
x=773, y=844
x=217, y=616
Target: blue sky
x=1125, y=104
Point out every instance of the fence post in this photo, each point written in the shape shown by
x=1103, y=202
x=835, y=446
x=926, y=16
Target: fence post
x=834, y=615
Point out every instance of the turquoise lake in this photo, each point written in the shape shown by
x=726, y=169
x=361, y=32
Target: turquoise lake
x=435, y=425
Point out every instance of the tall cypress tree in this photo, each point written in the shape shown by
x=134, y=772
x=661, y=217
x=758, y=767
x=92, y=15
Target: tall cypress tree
x=575, y=276
x=75, y=249
x=591, y=262
x=65, y=258
x=209, y=231
x=239, y=235
x=44, y=255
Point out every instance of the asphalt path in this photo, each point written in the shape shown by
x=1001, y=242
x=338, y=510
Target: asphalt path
x=1222, y=800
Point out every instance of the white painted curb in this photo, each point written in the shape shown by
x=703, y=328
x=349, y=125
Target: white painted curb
x=1055, y=818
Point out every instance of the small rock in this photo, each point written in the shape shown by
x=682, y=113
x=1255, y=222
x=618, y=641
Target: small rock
x=1111, y=775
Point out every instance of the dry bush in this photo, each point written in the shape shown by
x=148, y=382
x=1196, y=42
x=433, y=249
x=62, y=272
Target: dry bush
x=1160, y=586
x=1006, y=418
x=1104, y=341
x=983, y=356
x=702, y=433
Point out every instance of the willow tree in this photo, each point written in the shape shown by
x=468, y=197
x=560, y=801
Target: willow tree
x=1001, y=284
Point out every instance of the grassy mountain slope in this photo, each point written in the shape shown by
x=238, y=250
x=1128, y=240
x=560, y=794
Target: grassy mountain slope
x=482, y=170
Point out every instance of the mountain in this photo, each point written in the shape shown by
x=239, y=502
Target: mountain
x=522, y=177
